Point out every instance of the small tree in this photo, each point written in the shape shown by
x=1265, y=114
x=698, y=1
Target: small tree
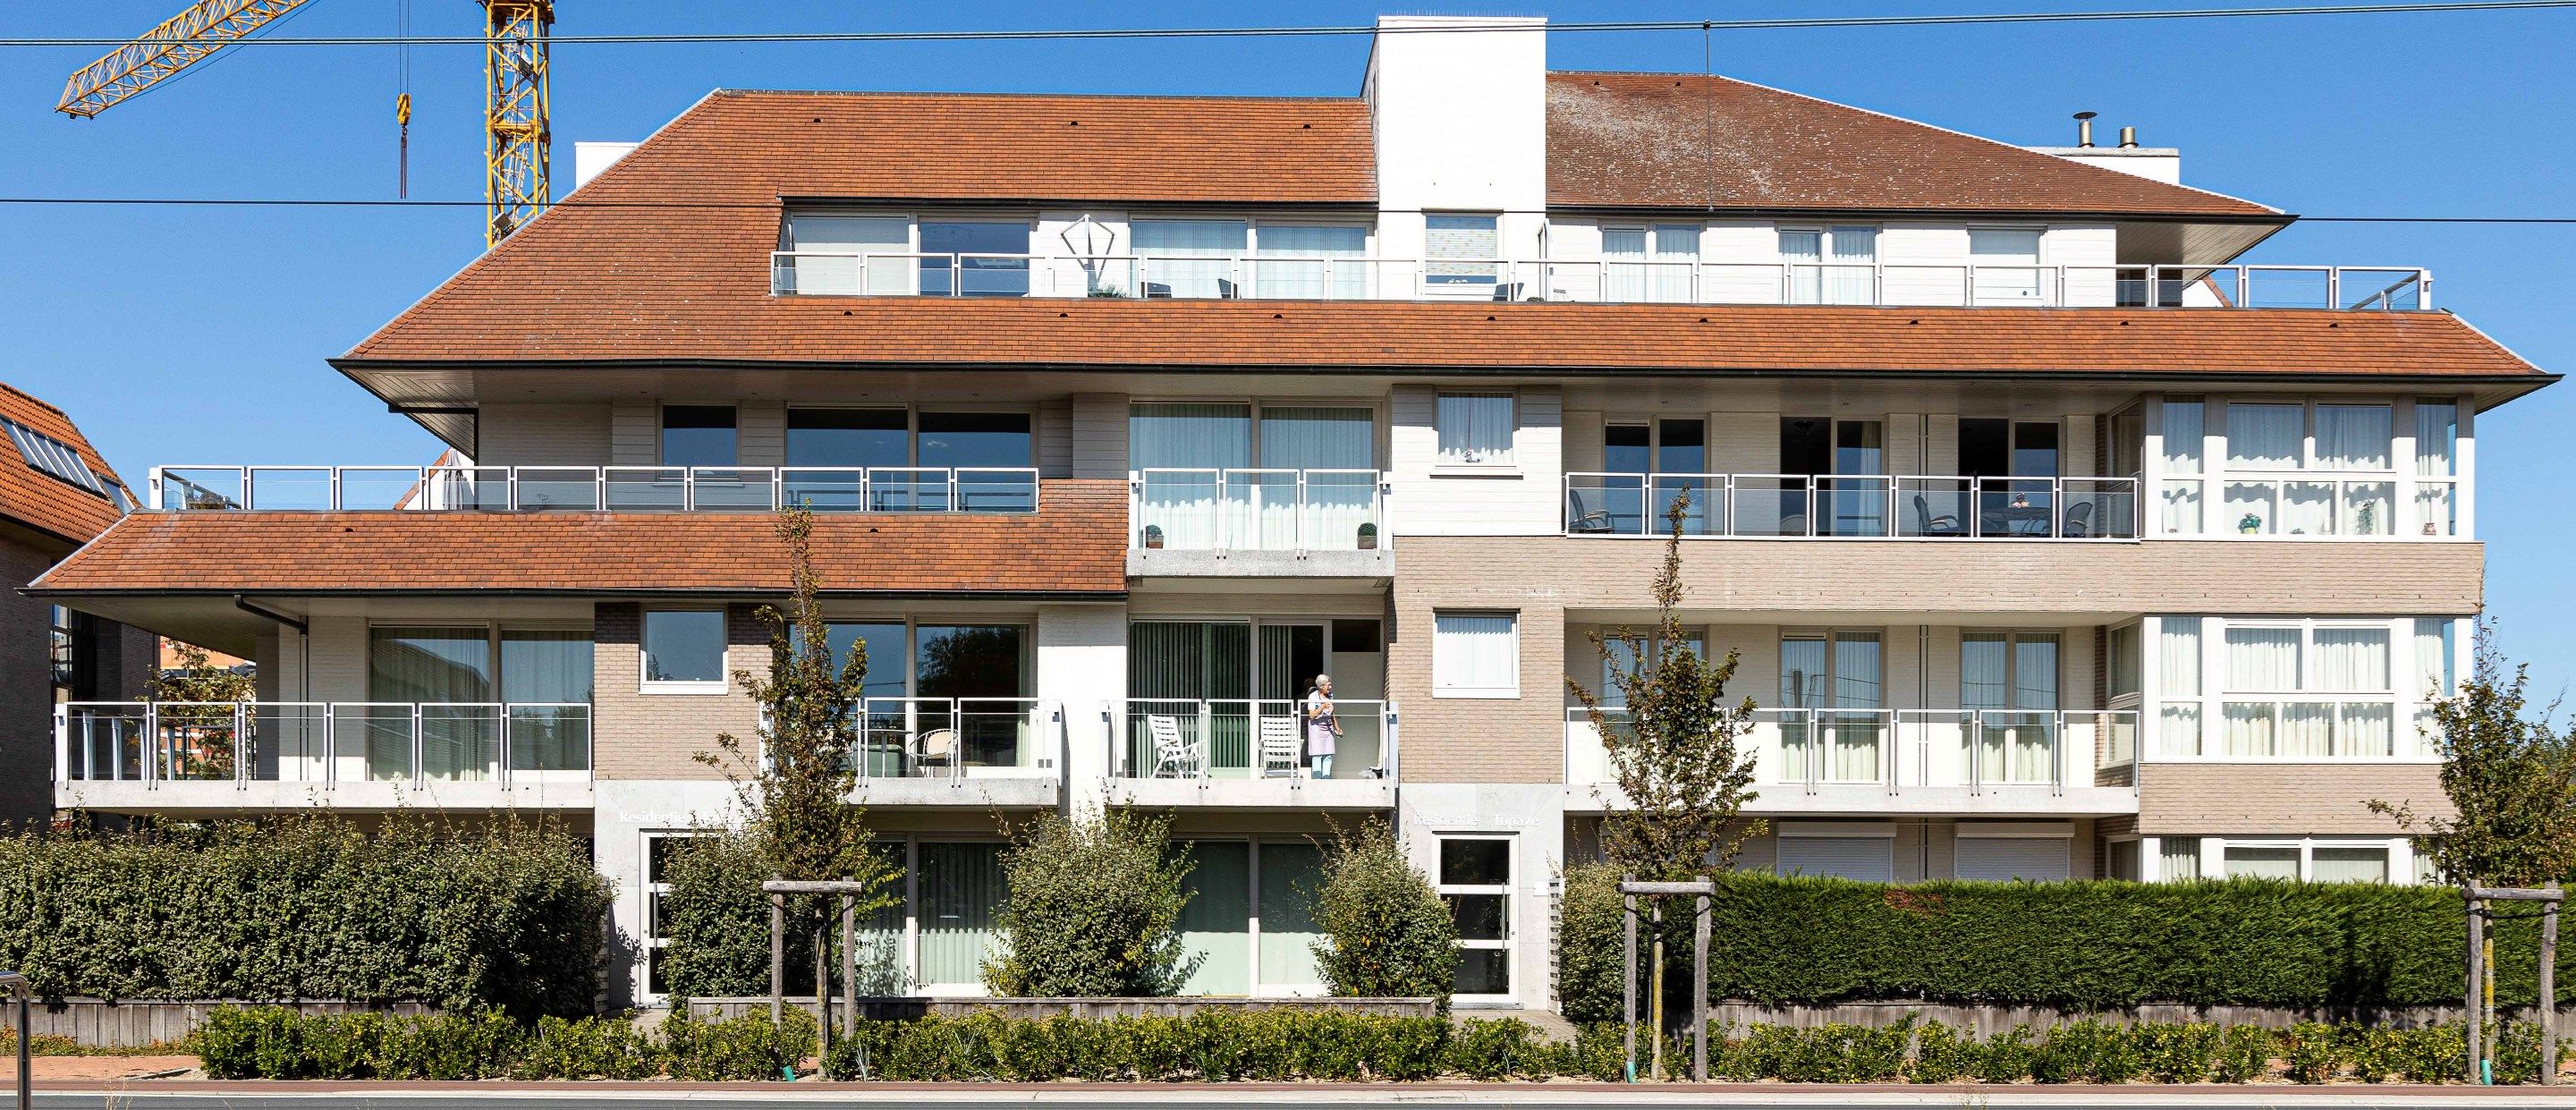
x=198, y=713
x=2510, y=778
x=795, y=786
x=1676, y=755
x=1387, y=933
x=1094, y=909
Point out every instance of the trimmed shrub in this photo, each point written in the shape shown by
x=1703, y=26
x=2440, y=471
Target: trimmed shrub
x=1502, y=1048
x=747, y=1047
x=1094, y=908
x=508, y=916
x=1387, y=934
x=2244, y=1054
x=2178, y=1053
x=1830, y=1053
x=1944, y=1055
x=2086, y=946
x=717, y=920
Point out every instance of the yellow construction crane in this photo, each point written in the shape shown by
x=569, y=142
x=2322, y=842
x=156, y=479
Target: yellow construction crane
x=516, y=183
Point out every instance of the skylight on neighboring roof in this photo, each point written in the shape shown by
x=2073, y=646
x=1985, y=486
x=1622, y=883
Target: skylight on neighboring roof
x=55, y=457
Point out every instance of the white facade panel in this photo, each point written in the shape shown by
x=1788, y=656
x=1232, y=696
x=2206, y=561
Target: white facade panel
x=1500, y=500
x=541, y=435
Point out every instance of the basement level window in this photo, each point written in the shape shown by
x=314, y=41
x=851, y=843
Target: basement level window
x=53, y=456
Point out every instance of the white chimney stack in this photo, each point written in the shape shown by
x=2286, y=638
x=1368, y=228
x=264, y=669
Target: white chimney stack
x=589, y=159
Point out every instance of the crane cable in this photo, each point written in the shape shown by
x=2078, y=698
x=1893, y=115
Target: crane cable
x=402, y=98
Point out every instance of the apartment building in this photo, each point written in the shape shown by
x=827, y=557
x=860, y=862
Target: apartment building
x=2054, y=542
x=56, y=494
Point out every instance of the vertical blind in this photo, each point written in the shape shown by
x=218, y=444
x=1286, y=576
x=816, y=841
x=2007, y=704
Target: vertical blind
x=1288, y=929
x=851, y=236
x=2178, y=857
x=1216, y=923
x=961, y=887
x=1474, y=651
x=1304, y=275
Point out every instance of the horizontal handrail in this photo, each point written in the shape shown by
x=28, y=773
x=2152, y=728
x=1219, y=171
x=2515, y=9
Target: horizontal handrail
x=306, y=741
x=1209, y=738
x=1328, y=276
x=1851, y=506
x=1229, y=509
x=1896, y=750
x=876, y=489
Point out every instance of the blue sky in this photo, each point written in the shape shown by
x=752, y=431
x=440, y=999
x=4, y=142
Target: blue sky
x=196, y=335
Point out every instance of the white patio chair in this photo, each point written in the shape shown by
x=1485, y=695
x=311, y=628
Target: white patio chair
x=938, y=749
x=1280, y=748
x=1172, y=752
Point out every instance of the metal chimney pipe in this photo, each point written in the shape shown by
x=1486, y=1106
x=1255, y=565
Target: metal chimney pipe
x=2128, y=137
x=2084, y=128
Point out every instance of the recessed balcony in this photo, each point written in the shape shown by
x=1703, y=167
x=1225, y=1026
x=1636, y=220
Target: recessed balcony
x=265, y=755
x=1249, y=753
x=987, y=752
x=1851, y=506
x=1259, y=522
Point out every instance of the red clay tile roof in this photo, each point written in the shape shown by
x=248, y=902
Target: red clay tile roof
x=572, y=323
x=1656, y=140
x=1075, y=543
x=42, y=501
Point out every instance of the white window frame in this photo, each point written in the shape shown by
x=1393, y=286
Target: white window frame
x=1505, y=462
x=651, y=891
x=1509, y=890
x=912, y=411
x=912, y=221
x=2215, y=475
x=646, y=684
x=1511, y=691
x=2401, y=857
x=2403, y=704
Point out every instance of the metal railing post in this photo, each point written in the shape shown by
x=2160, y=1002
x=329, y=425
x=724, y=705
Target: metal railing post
x=22, y=991
x=505, y=746
x=242, y=718
x=415, y=745
x=149, y=741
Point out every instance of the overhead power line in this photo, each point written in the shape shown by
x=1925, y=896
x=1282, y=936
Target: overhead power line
x=1972, y=19
x=333, y=202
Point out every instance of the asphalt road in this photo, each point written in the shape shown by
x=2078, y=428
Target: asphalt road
x=206, y=1096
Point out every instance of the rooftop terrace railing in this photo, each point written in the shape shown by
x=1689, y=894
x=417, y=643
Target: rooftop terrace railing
x=615, y=489
x=1600, y=280
x=1852, y=506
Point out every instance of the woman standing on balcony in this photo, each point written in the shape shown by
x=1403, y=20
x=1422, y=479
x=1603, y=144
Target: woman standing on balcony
x=1321, y=727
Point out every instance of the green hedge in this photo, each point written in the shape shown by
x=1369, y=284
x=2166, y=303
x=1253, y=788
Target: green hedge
x=507, y=917
x=275, y=1043
x=2078, y=945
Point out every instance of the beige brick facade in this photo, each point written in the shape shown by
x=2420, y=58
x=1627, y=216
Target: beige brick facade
x=2292, y=799
x=658, y=736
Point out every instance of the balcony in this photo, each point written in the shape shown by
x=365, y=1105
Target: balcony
x=1852, y=506
x=1247, y=754
x=988, y=752
x=178, y=756
x=1258, y=522
x=593, y=489
x=1985, y=761
x=1599, y=281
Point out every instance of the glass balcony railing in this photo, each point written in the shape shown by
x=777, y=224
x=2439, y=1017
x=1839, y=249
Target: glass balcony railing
x=322, y=743
x=960, y=738
x=614, y=489
x=1231, y=276
x=1242, y=738
x=1257, y=510
x=1982, y=751
x=1851, y=506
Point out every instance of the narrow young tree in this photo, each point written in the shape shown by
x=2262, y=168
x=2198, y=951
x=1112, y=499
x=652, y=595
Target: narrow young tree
x=1675, y=748
x=794, y=779
x=2510, y=778
x=197, y=711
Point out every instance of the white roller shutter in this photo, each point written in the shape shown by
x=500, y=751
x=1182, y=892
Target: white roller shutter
x=1866, y=858
x=2005, y=858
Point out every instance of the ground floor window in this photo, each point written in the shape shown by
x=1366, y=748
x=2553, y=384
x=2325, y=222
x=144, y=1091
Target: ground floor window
x=658, y=847
x=1475, y=878
x=2123, y=860
x=2311, y=859
x=1249, y=926
x=1864, y=852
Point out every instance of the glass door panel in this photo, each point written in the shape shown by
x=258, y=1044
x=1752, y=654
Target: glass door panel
x=420, y=664
x=1216, y=924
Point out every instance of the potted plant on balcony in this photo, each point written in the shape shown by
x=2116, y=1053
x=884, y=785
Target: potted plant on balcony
x=2250, y=525
x=1153, y=536
x=1368, y=537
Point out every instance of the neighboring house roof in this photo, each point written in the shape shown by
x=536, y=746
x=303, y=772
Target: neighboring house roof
x=1075, y=543
x=40, y=500
x=1675, y=140
x=597, y=326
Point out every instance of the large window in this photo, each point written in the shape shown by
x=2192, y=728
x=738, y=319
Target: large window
x=1659, y=263
x=698, y=435
x=1189, y=258
x=1831, y=726
x=1242, y=476
x=1476, y=881
x=2007, y=265
x=2289, y=691
x=848, y=254
x=1310, y=261
x=2309, y=469
x=1249, y=924
x=975, y=258
x=957, y=697
x=449, y=673
x=1475, y=655
x=1475, y=429
x=2184, y=448
x=2437, y=467
x=818, y=437
x=1831, y=265
x=684, y=651
x=2322, y=861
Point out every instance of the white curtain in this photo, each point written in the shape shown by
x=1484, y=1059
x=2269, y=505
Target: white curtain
x=1305, y=275
x=1190, y=509
x=851, y=236
x=1475, y=428
x=2184, y=424
x=2007, y=261
x=547, y=665
x=2306, y=729
x=2178, y=857
x=2352, y=660
x=2182, y=507
x=2262, y=863
x=1855, y=275
x=2248, y=728
x=1855, y=737
x=1474, y=651
x=1677, y=251
x=2262, y=660
x=2178, y=656
x=2307, y=508
x=2433, y=657
x=2348, y=865
x=2352, y=437
x=2368, y=508
x=1804, y=254
x=2178, y=728
x=419, y=664
x=1306, y=439
x=2264, y=437
x=1188, y=258
x=1984, y=681
x=1856, y=684
x=2251, y=507
x=2437, y=438
x=1623, y=269
x=1803, y=667
x=2365, y=730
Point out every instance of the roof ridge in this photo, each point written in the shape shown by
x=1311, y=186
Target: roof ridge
x=2017, y=149
x=961, y=94
x=32, y=398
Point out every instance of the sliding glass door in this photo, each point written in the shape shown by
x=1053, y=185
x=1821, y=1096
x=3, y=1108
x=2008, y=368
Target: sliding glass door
x=1314, y=486
x=2010, y=680
x=1833, y=726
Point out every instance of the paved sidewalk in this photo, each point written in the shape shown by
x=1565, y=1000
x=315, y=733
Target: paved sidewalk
x=208, y=1095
